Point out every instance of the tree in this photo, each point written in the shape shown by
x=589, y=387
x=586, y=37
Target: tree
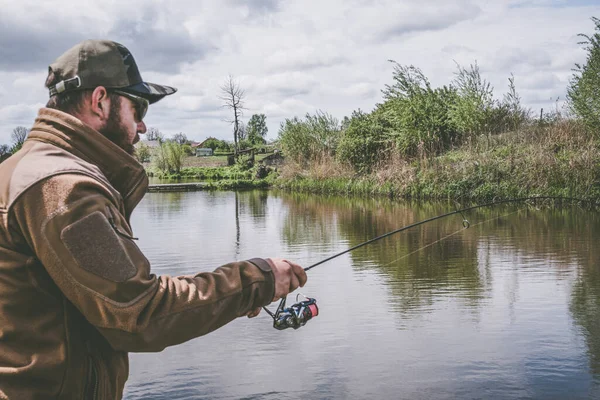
x=154, y=134
x=180, y=138
x=583, y=93
x=233, y=97
x=142, y=152
x=4, y=151
x=216, y=144
x=169, y=157
x=257, y=128
x=19, y=134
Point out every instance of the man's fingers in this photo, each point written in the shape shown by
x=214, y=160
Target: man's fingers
x=294, y=283
x=300, y=273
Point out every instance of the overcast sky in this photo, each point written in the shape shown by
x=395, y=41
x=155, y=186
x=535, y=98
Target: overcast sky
x=292, y=57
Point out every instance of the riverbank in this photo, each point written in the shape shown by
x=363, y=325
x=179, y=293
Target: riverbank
x=560, y=159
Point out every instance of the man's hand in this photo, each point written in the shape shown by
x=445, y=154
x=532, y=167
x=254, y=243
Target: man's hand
x=288, y=277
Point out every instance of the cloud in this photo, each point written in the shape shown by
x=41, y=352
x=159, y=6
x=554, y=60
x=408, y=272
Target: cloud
x=32, y=47
x=157, y=43
x=157, y=38
x=257, y=7
x=285, y=84
x=361, y=90
x=304, y=58
x=292, y=58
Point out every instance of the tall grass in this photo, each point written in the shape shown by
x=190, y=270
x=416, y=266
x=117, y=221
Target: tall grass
x=561, y=159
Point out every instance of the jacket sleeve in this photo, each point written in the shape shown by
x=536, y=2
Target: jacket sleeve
x=74, y=228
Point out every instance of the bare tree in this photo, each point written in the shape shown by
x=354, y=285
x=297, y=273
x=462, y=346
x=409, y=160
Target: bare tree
x=233, y=96
x=180, y=138
x=154, y=134
x=19, y=134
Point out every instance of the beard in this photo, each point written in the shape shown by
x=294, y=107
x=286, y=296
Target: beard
x=114, y=129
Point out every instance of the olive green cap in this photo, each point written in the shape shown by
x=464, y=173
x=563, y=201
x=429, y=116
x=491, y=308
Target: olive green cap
x=94, y=63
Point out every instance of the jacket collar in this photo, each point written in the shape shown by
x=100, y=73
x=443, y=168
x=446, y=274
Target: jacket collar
x=122, y=170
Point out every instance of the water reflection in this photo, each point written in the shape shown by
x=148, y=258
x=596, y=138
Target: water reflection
x=508, y=308
x=426, y=262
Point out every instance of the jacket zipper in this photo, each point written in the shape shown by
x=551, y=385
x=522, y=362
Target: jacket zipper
x=111, y=220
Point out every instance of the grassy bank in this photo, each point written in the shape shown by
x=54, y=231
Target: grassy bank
x=560, y=159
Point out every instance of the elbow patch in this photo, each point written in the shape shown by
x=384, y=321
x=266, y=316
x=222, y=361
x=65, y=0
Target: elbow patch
x=97, y=248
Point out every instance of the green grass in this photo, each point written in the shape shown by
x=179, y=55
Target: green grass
x=558, y=160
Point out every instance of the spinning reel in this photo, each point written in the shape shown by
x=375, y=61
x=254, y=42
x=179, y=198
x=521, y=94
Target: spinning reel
x=294, y=316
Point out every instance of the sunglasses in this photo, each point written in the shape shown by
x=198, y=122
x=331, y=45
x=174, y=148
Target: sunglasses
x=141, y=104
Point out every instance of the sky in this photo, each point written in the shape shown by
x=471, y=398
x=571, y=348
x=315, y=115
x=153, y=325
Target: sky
x=293, y=57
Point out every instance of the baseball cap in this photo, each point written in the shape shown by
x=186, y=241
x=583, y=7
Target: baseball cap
x=93, y=63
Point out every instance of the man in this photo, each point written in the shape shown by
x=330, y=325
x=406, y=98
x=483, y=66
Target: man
x=76, y=293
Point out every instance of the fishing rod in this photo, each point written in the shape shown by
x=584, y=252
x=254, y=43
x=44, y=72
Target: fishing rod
x=300, y=313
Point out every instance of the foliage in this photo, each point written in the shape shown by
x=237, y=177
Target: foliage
x=363, y=140
x=169, y=157
x=257, y=129
x=245, y=144
x=217, y=145
x=583, y=92
x=417, y=114
x=306, y=140
x=474, y=102
x=143, y=152
x=4, y=151
x=557, y=160
x=516, y=114
x=18, y=136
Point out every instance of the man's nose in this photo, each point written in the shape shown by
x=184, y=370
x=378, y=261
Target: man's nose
x=141, y=127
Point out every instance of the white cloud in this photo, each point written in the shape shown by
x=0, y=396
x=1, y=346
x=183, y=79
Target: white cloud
x=292, y=57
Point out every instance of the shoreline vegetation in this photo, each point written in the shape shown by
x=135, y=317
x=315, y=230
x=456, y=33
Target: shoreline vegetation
x=558, y=159
x=451, y=142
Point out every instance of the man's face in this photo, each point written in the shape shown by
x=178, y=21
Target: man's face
x=123, y=126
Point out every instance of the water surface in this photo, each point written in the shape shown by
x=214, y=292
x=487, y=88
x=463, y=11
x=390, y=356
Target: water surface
x=509, y=308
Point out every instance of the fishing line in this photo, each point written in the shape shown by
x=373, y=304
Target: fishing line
x=299, y=314
x=452, y=234
x=461, y=211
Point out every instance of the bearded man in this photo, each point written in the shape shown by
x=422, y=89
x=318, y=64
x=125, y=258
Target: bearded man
x=76, y=292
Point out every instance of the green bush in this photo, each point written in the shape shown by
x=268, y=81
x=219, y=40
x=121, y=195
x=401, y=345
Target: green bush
x=584, y=90
x=169, y=156
x=306, y=140
x=416, y=113
x=472, y=108
x=363, y=140
x=143, y=153
x=218, y=145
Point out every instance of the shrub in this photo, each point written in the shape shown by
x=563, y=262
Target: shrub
x=363, y=140
x=169, y=156
x=306, y=140
x=471, y=110
x=416, y=113
x=143, y=153
x=583, y=93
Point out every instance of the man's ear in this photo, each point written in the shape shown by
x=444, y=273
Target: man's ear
x=100, y=103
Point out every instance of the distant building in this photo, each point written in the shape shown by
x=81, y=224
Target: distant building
x=204, y=151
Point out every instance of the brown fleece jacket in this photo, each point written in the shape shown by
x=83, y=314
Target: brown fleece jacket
x=76, y=293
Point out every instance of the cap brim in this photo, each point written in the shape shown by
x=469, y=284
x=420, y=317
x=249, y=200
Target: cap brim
x=150, y=91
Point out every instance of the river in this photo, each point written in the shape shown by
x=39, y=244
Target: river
x=508, y=308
